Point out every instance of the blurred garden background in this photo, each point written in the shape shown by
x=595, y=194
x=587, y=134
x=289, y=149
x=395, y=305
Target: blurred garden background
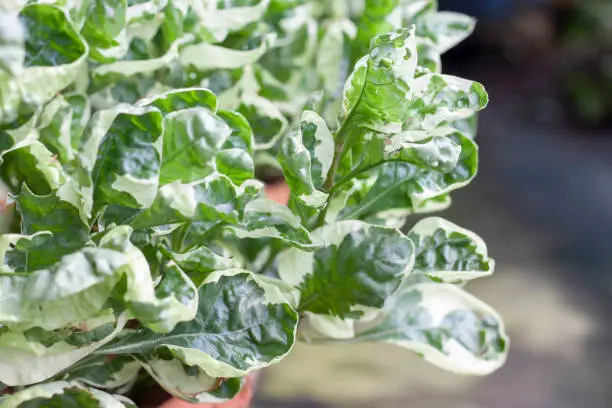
x=543, y=204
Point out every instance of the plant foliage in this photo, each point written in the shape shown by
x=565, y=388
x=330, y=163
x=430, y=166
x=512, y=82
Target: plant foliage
x=130, y=131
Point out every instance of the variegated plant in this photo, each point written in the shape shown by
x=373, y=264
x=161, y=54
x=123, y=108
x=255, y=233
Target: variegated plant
x=142, y=244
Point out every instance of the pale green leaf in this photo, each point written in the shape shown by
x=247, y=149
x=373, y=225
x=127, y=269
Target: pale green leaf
x=25, y=360
x=448, y=253
x=12, y=41
x=445, y=325
x=191, y=383
x=160, y=307
x=179, y=99
x=218, y=57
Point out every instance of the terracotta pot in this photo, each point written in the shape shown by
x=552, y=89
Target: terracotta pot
x=278, y=192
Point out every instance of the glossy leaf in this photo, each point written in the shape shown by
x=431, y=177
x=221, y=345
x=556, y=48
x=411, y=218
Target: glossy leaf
x=201, y=262
x=122, y=149
x=242, y=325
x=48, y=214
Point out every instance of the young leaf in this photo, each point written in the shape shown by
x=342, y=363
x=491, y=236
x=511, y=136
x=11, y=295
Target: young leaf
x=379, y=16
x=449, y=253
x=242, y=325
x=306, y=157
x=445, y=325
x=359, y=265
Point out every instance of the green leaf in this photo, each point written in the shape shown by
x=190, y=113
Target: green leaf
x=51, y=214
x=122, y=149
x=74, y=289
x=201, y=262
x=102, y=372
x=306, y=157
x=448, y=253
x=125, y=68
x=445, y=28
x=242, y=325
x=192, y=139
x=242, y=134
x=359, y=265
x=62, y=394
x=215, y=198
x=221, y=21
x=405, y=187
x=385, y=93
x=376, y=93
x=55, y=52
x=332, y=58
x=21, y=351
x=266, y=119
x=62, y=123
x=160, y=307
x=379, y=17
x=236, y=164
x=264, y=218
x=32, y=164
x=105, y=20
x=15, y=248
x=218, y=57
x=445, y=325
x=179, y=99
